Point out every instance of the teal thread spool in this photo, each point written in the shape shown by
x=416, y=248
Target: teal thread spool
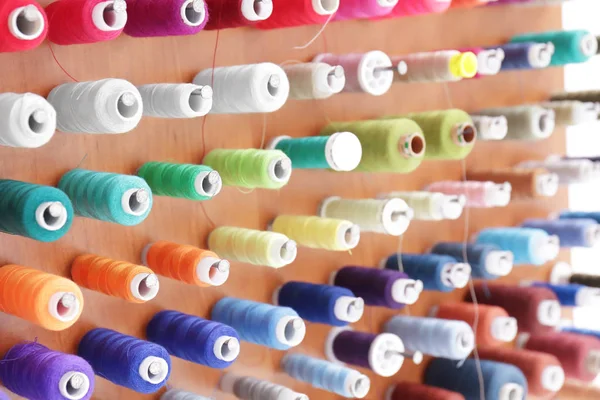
x=387, y=145
x=341, y=151
x=42, y=213
x=187, y=181
x=575, y=46
x=122, y=199
x=251, y=168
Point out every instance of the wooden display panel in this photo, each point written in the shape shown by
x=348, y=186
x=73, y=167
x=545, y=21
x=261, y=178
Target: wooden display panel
x=178, y=59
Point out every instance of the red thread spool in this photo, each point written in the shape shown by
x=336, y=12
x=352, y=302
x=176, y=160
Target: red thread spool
x=235, y=13
x=417, y=7
x=23, y=25
x=288, y=13
x=86, y=21
x=417, y=391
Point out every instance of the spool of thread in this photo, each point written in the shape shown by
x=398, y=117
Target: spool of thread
x=121, y=199
x=437, y=272
x=568, y=214
x=194, y=339
x=251, y=168
x=187, y=181
x=323, y=304
x=570, y=232
x=26, y=120
x=251, y=246
x=502, y=381
x=437, y=66
x=276, y=327
x=526, y=55
x=568, y=171
x=478, y=194
x=383, y=354
x=573, y=295
x=432, y=336
x=528, y=122
x=490, y=127
x=288, y=13
x=388, y=216
x=341, y=151
x=586, y=280
x=166, y=18
x=584, y=332
x=23, y=25
x=537, y=310
x=487, y=261
x=317, y=232
x=248, y=388
x=236, y=13
x=525, y=183
x=176, y=100
x=528, y=245
x=65, y=376
x=50, y=301
x=418, y=7
x=38, y=212
x=574, y=46
x=359, y=9
x=379, y=287
x=176, y=394
x=569, y=112
x=310, y=81
x=125, y=360
x=325, y=375
x=586, y=96
x=371, y=72
x=417, y=391
x=241, y=89
x=430, y=206
x=470, y=3
x=489, y=61
x=494, y=325
x=134, y=283
x=3, y=395
x=395, y=145
x=187, y=264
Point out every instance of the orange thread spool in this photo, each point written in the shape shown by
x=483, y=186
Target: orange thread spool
x=50, y=301
x=185, y=263
x=526, y=183
x=130, y=282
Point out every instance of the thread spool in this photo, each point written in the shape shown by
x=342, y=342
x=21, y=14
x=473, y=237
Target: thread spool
x=437, y=66
x=236, y=13
x=341, y=151
x=526, y=55
x=568, y=214
x=325, y=304
x=525, y=183
x=572, y=295
x=357, y=9
x=126, y=361
x=490, y=128
x=570, y=112
x=3, y=396
x=570, y=232
x=486, y=261
x=417, y=391
x=585, y=279
x=275, y=327
x=38, y=212
x=241, y=89
x=395, y=145
x=568, y=171
x=127, y=281
x=188, y=264
x=50, y=301
x=489, y=61
x=166, y=18
x=310, y=81
x=248, y=388
x=478, y=194
x=188, y=181
x=528, y=245
x=174, y=100
x=574, y=46
x=379, y=287
x=288, y=13
x=251, y=168
x=65, y=376
x=470, y=3
x=435, y=337
x=389, y=216
x=317, y=232
x=27, y=120
x=121, y=199
x=176, y=394
x=586, y=96
x=430, y=206
x=528, y=122
x=24, y=25
x=418, y=7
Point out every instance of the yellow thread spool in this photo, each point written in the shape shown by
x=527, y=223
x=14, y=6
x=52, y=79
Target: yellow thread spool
x=430, y=206
x=464, y=65
x=317, y=232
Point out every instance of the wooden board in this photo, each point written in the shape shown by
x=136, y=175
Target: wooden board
x=178, y=60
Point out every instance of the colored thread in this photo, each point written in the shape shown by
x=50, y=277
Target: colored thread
x=187, y=181
x=248, y=388
x=525, y=122
x=586, y=280
x=489, y=61
x=24, y=25
x=251, y=168
x=27, y=120
x=570, y=232
x=487, y=261
x=251, y=246
x=252, y=88
x=526, y=55
x=104, y=106
x=567, y=214
x=325, y=375
x=490, y=128
x=469, y=3
x=360, y=9
x=417, y=391
x=586, y=96
x=3, y=396
x=430, y=206
x=528, y=245
x=379, y=287
x=574, y=46
x=176, y=394
x=396, y=145
x=317, y=232
x=50, y=301
x=60, y=376
x=568, y=171
x=315, y=80
x=525, y=183
x=418, y=7
x=166, y=18
x=287, y=13
x=324, y=304
x=437, y=66
x=127, y=281
x=226, y=14
x=122, y=199
x=126, y=361
x=174, y=100
x=575, y=391
x=391, y=217
x=276, y=327
x=38, y=212
x=573, y=295
x=570, y=112
x=484, y=194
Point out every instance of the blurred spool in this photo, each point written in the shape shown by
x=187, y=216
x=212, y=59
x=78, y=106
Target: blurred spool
x=248, y=388
x=490, y=128
x=524, y=122
x=568, y=171
x=172, y=100
x=478, y=194
x=568, y=214
x=489, y=61
x=165, y=18
x=573, y=391
x=310, y=81
x=176, y=394
x=584, y=332
x=418, y=391
x=570, y=232
x=575, y=46
x=570, y=112
x=586, y=96
x=236, y=13
x=430, y=206
x=417, y=7
x=288, y=13
x=525, y=183
x=436, y=66
x=573, y=295
x=318, y=233
x=188, y=181
x=26, y=120
x=526, y=55
x=528, y=245
x=23, y=25
x=361, y=9
x=487, y=261
x=586, y=280
x=469, y=3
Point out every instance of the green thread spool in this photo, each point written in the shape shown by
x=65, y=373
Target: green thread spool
x=341, y=151
x=575, y=46
x=122, y=199
x=394, y=145
x=42, y=213
x=450, y=134
x=251, y=168
x=187, y=181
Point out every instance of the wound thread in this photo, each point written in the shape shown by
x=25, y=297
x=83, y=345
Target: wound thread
x=575, y=46
x=528, y=122
x=27, y=120
x=23, y=25
x=311, y=81
x=430, y=206
x=478, y=193
x=528, y=245
x=317, y=232
x=174, y=100
x=166, y=18
x=187, y=181
x=526, y=184
x=487, y=261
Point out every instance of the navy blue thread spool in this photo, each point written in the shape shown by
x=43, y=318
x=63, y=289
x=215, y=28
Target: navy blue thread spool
x=573, y=295
x=487, y=261
x=595, y=215
x=194, y=339
x=125, y=360
x=570, y=232
x=527, y=55
x=529, y=246
x=325, y=304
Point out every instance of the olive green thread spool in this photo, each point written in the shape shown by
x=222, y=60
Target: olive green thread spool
x=317, y=232
x=188, y=181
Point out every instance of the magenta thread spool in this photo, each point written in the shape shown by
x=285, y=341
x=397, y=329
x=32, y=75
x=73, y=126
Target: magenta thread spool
x=407, y=8
x=147, y=18
x=359, y=9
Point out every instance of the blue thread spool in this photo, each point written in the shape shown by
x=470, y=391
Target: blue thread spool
x=322, y=304
x=570, y=232
x=529, y=246
x=125, y=360
x=487, y=261
x=575, y=46
x=585, y=332
x=276, y=327
x=573, y=295
x=526, y=55
x=595, y=215
x=437, y=272
x=194, y=339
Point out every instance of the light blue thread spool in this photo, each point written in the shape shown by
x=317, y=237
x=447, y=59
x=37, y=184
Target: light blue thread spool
x=529, y=246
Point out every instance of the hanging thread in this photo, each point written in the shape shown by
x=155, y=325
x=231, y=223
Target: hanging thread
x=359, y=9
x=27, y=120
x=574, y=46
x=430, y=206
x=23, y=25
x=166, y=18
x=288, y=13
x=417, y=391
x=248, y=388
x=526, y=55
x=489, y=61
x=310, y=81
x=525, y=183
x=568, y=171
x=487, y=261
x=187, y=181
x=176, y=100
x=570, y=112
x=226, y=14
x=317, y=232
x=176, y=394
x=573, y=295
x=570, y=232
x=418, y=7
x=437, y=66
x=478, y=193
x=490, y=128
x=528, y=122
x=528, y=245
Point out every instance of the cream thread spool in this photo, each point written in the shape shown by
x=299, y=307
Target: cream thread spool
x=318, y=232
x=490, y=127
x=567, y=171
x=26, y=120
x=26, y=23
x=437, y=66
x=430, y=206
x=176, y=100
x=110, y=15
x=525, y=122
x=573, y=112
x=315, y=80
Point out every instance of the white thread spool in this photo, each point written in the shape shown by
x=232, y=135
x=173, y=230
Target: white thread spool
x=26, y=23
x=570, y=112
x=74, y=385
x=489, y=61
x=430, y=206
x=525, y=122
x=431, y=66
x=26, y=120
x=176, y=394
x=253, y=88
x=490, y=128
x=153, y=370
x=105, y=106
x=561, y=273
x=110, y=15
x=208, y=183
x=64, y=306
x=249, y=388
x=168, y=100
x=567, y=171
x=315, y=80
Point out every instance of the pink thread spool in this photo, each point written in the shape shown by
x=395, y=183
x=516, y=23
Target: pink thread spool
x=407, y=8
x=359, y=9
x=478, y=194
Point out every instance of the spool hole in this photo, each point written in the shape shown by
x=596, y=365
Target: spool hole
x=349, y=235
x=260, y=9
x=109, y=15
x=280, y=170
x=138, y=201
x=468, y=133
x=417, y=144
x=144, y=288
x=37, y=121
x=273, y=85
x=29, y=22
x=207, y=185
x=514, y=394
x=52, y=215
x=543, y=122
x=75, y=387
x=397, y=216
x=292, y=330
x=192, y=15
x=330, y=6
x=195, y=100
x=127, y=105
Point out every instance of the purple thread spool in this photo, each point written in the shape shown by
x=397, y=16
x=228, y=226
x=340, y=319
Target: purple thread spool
x=358, y=9
x=152, y=18
x=60, y=376
x=3, y=396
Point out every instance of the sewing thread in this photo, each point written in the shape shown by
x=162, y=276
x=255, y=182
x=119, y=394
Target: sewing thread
x=317, y=232
x=166, y=18
x=528, y=245
x=27, y=120
x=176, y=100
x=309, y=81
x=528, y=183
x=23, y=25
x=574, y=46
x=248, y=388
x=187, y=181
x=479, y=193
x=437, y=66
x=526, y=55
x=226, y=14
x=570, y=232
x=528, y=122
x=288, y=13
x=430, y=206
